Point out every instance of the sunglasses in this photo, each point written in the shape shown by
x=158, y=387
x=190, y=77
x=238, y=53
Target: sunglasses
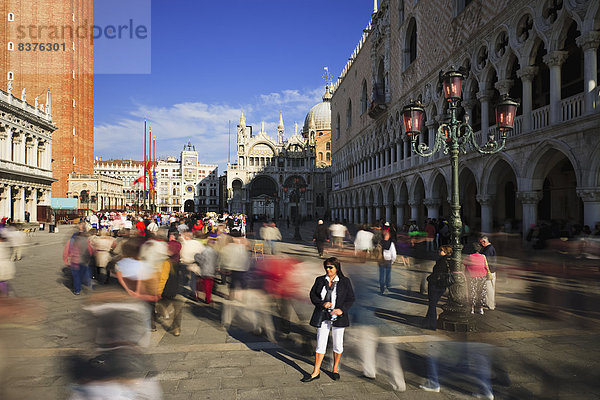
x=329, y=267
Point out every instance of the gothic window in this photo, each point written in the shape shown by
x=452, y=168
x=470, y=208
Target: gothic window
x=11, y=46
x=10, y=76
x=337, y=127
x=460, y=5
x=328, y=156
x=328, y=146
x=410, y=43
x=320, y=156
x=400, y=12
x=363, y=98
x=349, y=114
x=11, y=17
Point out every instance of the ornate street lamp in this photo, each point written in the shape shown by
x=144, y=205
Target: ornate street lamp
x=453, y=136
x=298, y=188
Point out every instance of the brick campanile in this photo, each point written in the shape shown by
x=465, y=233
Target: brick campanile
x=64, y=65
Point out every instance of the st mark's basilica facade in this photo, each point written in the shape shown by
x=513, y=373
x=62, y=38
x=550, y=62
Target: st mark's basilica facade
x=279, y=177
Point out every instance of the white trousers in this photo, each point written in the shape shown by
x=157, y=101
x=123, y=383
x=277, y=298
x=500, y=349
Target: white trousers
x=337, y=335
x=490, y=296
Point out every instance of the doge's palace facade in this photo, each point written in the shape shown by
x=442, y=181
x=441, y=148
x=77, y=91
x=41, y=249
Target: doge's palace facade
x=545, y=53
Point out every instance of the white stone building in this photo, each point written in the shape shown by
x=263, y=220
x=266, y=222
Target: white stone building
x=128, y=171
x=279, y=177
x=186, y=185
x=543, y=52
x=97, y=192
x=25, y=155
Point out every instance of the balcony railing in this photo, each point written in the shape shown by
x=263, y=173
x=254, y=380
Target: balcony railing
x=24, y=168
x=540, y=117
x=572, y=107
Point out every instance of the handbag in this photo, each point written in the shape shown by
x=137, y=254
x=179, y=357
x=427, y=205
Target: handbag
x=446, y=280
x=488, y=274
x=323, y=316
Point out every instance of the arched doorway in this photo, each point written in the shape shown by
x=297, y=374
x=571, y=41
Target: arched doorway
x=263, y=198
x=189, y=206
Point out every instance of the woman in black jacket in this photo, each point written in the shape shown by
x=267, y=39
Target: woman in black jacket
x=332, y=295
x=437, y=285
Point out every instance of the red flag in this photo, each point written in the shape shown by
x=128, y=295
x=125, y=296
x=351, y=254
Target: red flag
x=138, y=180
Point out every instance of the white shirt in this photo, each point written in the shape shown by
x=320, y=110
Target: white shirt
x=333, y=293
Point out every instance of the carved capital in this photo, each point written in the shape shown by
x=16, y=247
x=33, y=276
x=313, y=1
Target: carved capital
x=504, y=86
x=485, y=95
x=432, y=203
x=590, y=40
x=527, y=73
x=556, y=58
x=485, y=199
x=400, y=203
x=414, y=203
x=529, y=197
x=589, y=194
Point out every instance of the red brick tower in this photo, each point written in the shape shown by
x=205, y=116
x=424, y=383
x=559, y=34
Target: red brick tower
x=64, y=64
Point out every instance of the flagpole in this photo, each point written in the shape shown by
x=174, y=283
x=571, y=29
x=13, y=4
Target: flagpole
x=154, y=171
x=144, y=162
x=148, y=163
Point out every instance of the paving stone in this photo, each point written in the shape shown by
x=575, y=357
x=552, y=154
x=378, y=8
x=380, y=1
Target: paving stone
x=221, y=394
x=189, y=385
x=244, y=383
x=258, y=394
x=168, y=375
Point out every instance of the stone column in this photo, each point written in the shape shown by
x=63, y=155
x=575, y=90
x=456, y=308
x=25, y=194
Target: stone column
x=4, y=145
x=589, y=44
x=377, y=211
x=433, y=207
x=414, y=209
x=530, y=202
x=363, y=213
x=370, y=214
x=388, y=212
x=526, y=74
x=29, y=153
x=33, y=201
x=356, y=216
x=19, y=210
x=17, y=139
x=487, y=202
x=591, y=205
x=554, y=60
x=399, y=214
x=405, y=143
x=484, y=98
x=399, y=151
x=4, y=200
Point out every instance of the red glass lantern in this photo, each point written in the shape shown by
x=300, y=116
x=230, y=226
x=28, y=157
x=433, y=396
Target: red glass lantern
x=412, y=115
x=452, y=85
x=505, y=115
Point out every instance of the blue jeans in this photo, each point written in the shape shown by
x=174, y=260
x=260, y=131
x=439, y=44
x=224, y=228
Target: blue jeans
x=476, y=362
x=385, y=274
x=81, y=274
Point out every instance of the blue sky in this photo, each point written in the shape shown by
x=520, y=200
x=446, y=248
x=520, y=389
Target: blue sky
x=210, y=59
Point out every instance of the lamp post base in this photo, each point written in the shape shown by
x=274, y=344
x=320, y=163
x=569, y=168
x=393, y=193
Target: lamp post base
x=297, y=233
x=456, y=318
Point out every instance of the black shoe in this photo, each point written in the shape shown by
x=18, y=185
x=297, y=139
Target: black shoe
x=309, y=378
x=335, y=376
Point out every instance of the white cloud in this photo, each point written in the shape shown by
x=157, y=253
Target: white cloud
x=205, y=125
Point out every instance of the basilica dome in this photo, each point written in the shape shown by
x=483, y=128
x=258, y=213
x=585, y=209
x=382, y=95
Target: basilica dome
x=320, y=114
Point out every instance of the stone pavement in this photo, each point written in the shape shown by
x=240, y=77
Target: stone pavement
x=548, y=351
